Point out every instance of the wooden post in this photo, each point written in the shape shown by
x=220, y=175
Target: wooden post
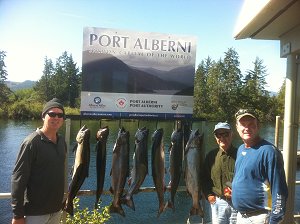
x=276, y=142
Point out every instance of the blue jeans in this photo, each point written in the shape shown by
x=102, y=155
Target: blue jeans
x=256, y=219
x=53, y=218
x=222, y=212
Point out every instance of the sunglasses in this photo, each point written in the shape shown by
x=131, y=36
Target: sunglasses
x=224, y=135
x=53, y=114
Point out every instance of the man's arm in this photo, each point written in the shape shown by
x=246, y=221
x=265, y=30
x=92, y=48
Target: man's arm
x=207, y=183
x=19, y=181
x=278, y=184
x=18, y=221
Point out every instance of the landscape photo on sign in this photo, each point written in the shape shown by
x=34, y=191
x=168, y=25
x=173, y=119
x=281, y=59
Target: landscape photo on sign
x=133, y=62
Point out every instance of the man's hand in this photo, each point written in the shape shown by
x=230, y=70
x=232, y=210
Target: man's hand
x=211, y=199
x=227, y=192
x=18, y=221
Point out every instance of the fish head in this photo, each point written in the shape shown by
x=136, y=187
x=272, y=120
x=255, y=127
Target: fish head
x=157, y=135
x=195, y=140
x=141, y=134
x=177, y=136
x=87, y=134
x=102, y=134
x=83, y=134
x=123, y=137
x=122, y=140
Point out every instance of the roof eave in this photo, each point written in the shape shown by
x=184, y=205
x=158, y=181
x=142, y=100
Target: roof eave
x=264, y=18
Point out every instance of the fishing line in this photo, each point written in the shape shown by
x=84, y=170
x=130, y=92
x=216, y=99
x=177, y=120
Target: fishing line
x=156, y=124
x=120, y=123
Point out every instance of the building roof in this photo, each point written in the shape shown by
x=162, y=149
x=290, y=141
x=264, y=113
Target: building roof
x=273, y=20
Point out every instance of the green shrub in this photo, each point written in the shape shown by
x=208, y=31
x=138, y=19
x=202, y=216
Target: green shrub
x=85, y=216
x=3, y=112
x=72, y=111
x=25, y=110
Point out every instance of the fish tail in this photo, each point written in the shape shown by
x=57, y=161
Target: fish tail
x=98, y=195
x=97, y=203
x=128, y=200
x=169, y=204
x=196, y=211
x=160, y=210
x=116, y=209
x=69, y=207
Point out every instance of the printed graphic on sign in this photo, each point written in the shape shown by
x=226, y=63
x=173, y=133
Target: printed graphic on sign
x=121, y=103
x=161, y=67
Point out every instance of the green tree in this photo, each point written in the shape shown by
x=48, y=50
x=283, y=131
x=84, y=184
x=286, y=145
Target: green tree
x=281, y=100
x=3, y=72
x=254, y=94
x=66, y=79
x=43, y=85
x=214, y=89
x=231, y=84
x=61, y=81
x=4, y=90
x=74, y=80
x=201, y=102
x=218, y=86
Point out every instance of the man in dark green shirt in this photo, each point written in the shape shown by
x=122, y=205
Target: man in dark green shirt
x=218, y=174
x=37, y=180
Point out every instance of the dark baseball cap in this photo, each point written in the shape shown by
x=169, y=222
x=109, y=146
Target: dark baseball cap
x=245, y=112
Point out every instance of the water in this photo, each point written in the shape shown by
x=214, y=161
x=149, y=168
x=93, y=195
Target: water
x=13, y=132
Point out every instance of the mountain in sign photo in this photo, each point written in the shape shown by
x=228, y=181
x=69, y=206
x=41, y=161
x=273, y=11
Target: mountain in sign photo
x=183, y=74
x=106, y=73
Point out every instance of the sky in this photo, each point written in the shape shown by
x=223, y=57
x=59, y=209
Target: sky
x=31, y=30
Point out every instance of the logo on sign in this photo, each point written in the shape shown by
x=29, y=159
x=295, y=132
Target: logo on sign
x=97, y=100
x=96, y=103
x=174, y=106
x=121, y=103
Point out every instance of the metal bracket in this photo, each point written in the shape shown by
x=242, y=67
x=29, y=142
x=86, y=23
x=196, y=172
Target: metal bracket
x=286, y=49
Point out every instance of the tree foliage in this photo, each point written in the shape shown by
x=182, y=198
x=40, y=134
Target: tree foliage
x=201, y=88
x=4, y=90
x=231, y=83
x=3, y=72
x=280, y=99
x=43, y=86
x=61, y=81
x=221, y=89
x=24, y=104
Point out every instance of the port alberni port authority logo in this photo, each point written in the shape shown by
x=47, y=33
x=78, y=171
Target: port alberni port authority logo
x=121, y=103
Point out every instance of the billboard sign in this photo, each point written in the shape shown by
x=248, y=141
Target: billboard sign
x=128, y=74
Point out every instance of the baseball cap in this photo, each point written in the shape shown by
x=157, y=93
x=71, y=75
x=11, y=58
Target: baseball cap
x=245, y=112
x=222, y=125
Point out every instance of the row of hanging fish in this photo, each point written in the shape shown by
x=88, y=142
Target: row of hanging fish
x=191, y=167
